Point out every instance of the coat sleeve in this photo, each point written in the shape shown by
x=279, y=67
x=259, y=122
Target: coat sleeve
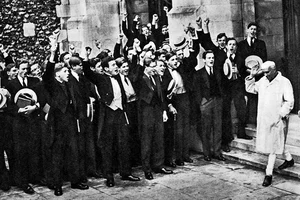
x=288, y=99
x=250, y=85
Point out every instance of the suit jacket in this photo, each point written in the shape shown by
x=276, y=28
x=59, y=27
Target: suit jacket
x=202, y=87
x=14, y=86
x=104, y=85
x=82, y=91
x=258, y=49
x=146, y=94
x=59, y=99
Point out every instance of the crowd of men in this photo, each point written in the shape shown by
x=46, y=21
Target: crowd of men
x=93, y=117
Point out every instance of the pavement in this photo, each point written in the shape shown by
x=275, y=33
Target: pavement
x=199, y=180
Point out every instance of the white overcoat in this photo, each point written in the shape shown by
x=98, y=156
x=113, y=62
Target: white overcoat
x=275, y=101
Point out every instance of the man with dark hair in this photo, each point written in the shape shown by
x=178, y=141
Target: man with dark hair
x=208, y=96
x=115, y=124
x=234, y=90
x=26, y=145
x=83, y=90
x=247, y=47
x=152, y=114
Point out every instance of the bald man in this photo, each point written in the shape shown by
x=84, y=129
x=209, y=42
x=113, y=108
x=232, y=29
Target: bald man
x=275, y=102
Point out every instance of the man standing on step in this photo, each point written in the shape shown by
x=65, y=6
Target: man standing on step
x=275, y=101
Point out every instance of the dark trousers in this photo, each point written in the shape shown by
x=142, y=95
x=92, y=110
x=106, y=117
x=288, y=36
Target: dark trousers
x=115, y=133
x=65, y=149
x=236, y=93
x=86, y=144
x=152, y=137
x=134, y=137
x=182, y=126
x=211, y=124
x=169, y=139
x=47, y=134
x=26, y=150
x=4, y=173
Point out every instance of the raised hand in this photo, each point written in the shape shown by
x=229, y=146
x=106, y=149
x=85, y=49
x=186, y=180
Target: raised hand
x=199, y=22
x=206, y=21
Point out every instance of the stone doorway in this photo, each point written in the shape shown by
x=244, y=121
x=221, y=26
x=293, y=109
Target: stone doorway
x=291, y=18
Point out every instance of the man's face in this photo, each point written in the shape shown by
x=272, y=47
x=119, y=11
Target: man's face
x=67, y=58
x=162, y=57
x=270, y=73
x=252, y=30
x=130, y=54
x=150, y=70
x=124, y=69
x=179, y=54
x=164, y=31
x=99, y=68
x=231, y=46
x=35, y=70
x=78, y=68
x=23, y=70
x=145, y=31
x=112, y=68
x=173, y=62
x=12, y=73
x=160, y=68
x=63, y=74
x=209, y=60
x=222, y=42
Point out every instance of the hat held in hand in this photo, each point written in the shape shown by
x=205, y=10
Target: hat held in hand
x=180, y=42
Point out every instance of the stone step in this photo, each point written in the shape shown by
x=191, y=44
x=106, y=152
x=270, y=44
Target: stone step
x=260, y=161
x=249, y=145
x=293, y=137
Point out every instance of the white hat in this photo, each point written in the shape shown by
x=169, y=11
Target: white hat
x=25, y=97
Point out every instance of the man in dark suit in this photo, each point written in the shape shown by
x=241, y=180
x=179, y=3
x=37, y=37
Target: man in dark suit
x=115, y=124
x=82, y=91
x=204, y=38
x=26, y=143
x=252, y=46
x=63, y=119
x=208, y=90
x=152, y=114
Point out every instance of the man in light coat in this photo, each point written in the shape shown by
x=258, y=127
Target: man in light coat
x=275, y=101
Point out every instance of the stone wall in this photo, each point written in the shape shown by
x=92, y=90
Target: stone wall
x=268, y=14
x=16, y=13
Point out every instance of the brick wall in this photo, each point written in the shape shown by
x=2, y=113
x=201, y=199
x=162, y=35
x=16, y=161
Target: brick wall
x=14, y=13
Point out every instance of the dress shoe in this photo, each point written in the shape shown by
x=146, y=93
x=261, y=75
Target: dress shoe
x=207, y=158
x=148, y=175
x=130, y=178
x=27, y=189
x=219, y=157
x=164, y=171
x=286, y=164
x=80, y=186
x=226, y=148
x=51, y=187
x=245, y=137
x=188, y=160
x=170, y=164
x=110, y=182
x=58, y=191
x=179, y=162
x=267, y=181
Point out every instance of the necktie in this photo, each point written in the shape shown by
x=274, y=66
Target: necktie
x=231, y=58
x=211, y=71
x=252, y=42
x=24, y=83
x=125, y=79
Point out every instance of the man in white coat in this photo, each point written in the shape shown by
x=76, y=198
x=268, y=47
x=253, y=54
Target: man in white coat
x=275, y=101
